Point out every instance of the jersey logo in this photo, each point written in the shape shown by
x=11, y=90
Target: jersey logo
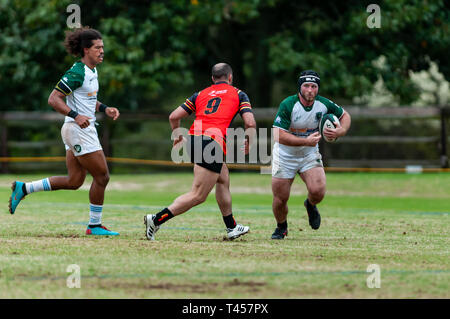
x=215, y=93
x=77, y=148
x=278, y=120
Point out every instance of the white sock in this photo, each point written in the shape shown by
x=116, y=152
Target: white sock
x=38, y=186
x=95, y=215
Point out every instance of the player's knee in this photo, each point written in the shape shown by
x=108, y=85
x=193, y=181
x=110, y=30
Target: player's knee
x=223, y=182
x=280, y=200
x=105, y=179
x=102, y=179
x=318, y=193
x=197, y=199
x=75, y=182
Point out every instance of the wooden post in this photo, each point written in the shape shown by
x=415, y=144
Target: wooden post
x=106, y=141
x=444, y=157
x=4, y=146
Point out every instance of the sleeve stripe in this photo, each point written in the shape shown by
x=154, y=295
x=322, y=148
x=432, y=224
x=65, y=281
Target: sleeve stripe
x=245, y=110
x=59, y=90
x=188, y=102
x=63, y=87
x=184, y=106
x=66, y=85
x=281, y=128
x=189, y=106
x=245, y=107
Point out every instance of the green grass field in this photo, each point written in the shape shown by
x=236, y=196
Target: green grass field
x=397, y=221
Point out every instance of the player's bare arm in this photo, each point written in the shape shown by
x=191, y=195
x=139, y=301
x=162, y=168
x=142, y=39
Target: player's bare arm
x=286, y=138
x=175, y=120
x=250, y=129
x=112, y=112
x=341, y=128
x=56, y=100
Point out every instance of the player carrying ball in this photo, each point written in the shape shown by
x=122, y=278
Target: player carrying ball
x=296, y=148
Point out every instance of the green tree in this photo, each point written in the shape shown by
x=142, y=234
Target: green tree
x=158, y=51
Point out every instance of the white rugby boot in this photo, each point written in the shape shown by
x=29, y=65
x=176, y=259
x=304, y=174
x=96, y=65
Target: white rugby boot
x=239, y=230
x=150, y=226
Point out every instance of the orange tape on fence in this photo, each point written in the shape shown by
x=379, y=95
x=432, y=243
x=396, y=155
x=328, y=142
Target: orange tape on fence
x=123, y=161
x=232, y=166
x=33, y=159
x=169, y=163
x=386, y=170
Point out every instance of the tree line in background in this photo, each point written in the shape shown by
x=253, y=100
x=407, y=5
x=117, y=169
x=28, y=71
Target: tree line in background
x=157, y=52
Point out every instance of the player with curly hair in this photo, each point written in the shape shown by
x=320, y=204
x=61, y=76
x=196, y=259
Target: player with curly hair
x=75, y=96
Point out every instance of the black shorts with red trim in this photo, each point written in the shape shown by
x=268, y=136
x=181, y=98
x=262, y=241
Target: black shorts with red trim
x=205, y=152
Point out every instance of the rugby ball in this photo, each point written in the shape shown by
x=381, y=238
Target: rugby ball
x=328, y=120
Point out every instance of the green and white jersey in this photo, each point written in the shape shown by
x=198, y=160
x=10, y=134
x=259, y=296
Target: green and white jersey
x=302, y=121
x=80, y=85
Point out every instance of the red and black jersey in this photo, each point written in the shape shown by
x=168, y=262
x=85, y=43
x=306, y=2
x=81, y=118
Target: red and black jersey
x=215, y=108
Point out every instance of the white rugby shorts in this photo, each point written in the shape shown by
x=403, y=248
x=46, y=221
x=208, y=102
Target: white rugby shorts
x=80, y=140
x=287, y=164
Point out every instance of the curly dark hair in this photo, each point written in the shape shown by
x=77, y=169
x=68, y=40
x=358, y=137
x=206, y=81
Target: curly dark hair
x=79, y=39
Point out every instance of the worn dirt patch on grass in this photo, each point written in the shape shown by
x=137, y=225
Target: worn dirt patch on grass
x=206, y=287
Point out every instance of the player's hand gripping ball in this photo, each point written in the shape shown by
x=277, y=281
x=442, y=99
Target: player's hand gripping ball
x=328, y=120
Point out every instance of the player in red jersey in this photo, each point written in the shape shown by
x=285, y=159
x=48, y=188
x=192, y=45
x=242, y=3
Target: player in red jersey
x=215, y=108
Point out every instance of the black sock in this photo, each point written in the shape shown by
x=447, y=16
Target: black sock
x=229, y=221
x=308, y=203
x=282, y=225
x=163, y=216
x=94, y=226
x=24, y=189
